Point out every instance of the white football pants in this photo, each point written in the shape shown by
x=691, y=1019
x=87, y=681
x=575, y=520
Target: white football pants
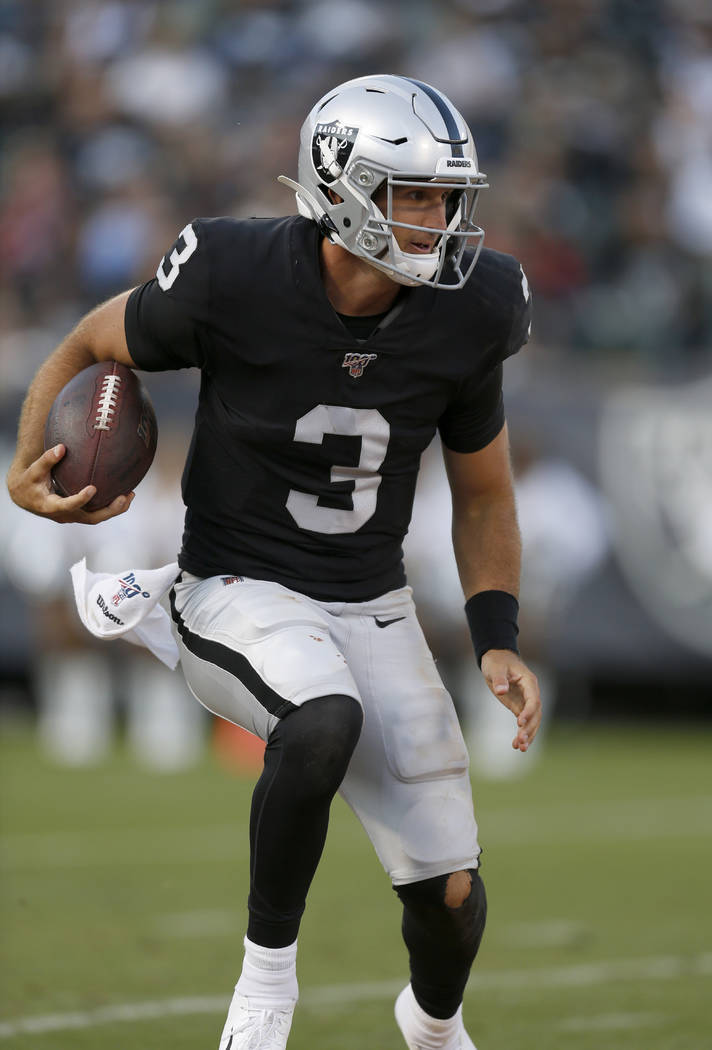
x=251, y=650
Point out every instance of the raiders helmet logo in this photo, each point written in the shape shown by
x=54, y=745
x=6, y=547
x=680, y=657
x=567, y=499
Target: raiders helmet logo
x=331, y=148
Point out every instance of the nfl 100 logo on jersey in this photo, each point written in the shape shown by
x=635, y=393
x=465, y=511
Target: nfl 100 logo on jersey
x=357, y=362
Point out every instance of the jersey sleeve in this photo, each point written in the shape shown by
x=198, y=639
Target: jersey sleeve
x=476, y=415
x=166, y=319
x=521, y=323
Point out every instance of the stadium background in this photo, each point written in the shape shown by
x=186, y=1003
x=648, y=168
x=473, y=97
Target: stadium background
x=593, y=120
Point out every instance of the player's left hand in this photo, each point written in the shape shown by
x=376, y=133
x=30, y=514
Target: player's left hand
x=516, y=687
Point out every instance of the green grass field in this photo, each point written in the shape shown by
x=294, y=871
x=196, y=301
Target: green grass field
x=122, y=905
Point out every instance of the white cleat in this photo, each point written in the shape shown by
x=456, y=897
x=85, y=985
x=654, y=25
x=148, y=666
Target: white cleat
x=422, y=1032
x=252, y=1027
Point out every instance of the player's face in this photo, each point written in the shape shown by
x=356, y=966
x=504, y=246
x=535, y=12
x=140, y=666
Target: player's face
x=417, y=206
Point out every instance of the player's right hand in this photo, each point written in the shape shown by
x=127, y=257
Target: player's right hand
x=31, y=488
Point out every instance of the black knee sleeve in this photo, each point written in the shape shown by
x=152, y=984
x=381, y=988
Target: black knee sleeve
x=442, y=941
x=306, y=759
x=315, y=744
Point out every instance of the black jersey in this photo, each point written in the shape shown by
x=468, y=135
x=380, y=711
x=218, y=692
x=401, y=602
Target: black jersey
x=307, y=440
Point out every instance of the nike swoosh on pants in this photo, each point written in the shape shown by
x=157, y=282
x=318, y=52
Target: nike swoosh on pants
x=387, y=623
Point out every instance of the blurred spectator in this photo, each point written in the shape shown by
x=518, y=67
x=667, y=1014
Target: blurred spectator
x=593, y=120
x=121, y=120
x=36, y=224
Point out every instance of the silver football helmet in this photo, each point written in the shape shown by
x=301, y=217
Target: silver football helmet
x=390, y=131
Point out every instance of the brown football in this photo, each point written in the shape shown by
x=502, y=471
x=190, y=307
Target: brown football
x=105, y=419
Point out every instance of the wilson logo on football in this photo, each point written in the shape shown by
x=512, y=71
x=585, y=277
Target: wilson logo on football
x=357, y=362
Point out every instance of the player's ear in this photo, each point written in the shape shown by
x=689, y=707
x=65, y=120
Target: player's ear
x=334, y=197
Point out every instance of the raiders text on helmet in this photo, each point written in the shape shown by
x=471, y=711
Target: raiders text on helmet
x=390, y=131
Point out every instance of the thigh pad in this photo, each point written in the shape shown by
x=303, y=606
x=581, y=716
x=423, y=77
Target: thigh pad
x=283, y=635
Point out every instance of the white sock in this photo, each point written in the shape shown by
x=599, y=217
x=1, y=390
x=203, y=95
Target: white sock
x=269, y=976
x=433, y=1031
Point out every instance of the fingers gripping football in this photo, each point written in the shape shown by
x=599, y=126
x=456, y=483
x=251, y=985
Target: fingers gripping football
x=32, y=489
x=517, y=688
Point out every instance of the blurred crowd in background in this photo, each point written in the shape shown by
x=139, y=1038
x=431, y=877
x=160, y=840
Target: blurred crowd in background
x=593, y=119
x=121, y=121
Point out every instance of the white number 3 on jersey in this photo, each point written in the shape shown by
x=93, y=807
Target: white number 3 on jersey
x=374, y=431
x=177, y=258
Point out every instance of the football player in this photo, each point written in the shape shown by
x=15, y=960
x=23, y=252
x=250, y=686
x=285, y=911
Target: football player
x=332, y=346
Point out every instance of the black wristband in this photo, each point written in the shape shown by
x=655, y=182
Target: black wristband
x=492, y=618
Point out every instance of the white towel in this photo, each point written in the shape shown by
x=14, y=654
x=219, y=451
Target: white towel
x=125, y=605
